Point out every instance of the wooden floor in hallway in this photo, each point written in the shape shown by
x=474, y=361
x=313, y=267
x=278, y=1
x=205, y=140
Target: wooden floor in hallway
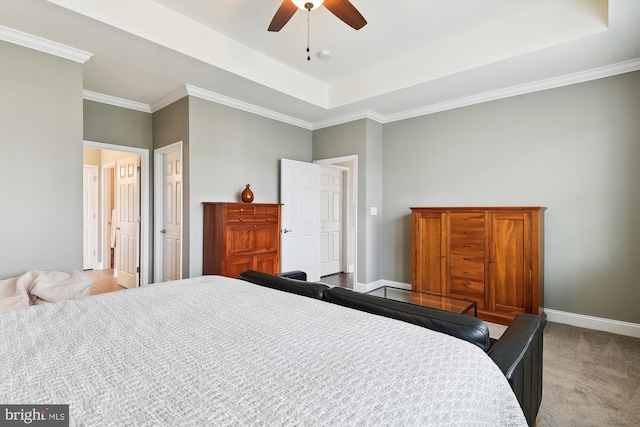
x=344, y=280
x=103, y=281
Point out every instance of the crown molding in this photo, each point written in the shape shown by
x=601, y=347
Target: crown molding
x=244, y=106
x=555, y=82
x=358, y=115
x=118, y=102
x=43, y=45
x=168, y=99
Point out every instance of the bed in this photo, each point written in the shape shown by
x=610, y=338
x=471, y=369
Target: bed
x=213, y=350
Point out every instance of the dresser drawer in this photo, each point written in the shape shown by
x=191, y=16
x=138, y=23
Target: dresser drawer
x=473, y=259
x=469, y=297
x=245, y=209
x=240, y=218
x=475, y=233
x=266, y=210
x=468, y=272
x=459, y=246
x=467, y=286
x=265, y=219
x=467, y=219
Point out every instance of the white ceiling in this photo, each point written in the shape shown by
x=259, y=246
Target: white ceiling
x=413, y=57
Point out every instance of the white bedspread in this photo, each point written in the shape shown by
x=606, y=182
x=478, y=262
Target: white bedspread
x=213, y=351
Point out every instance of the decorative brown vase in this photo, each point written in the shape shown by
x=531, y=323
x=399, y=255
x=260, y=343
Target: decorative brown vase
x=247, y=195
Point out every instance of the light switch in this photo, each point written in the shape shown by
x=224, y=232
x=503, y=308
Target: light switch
x=373, y=210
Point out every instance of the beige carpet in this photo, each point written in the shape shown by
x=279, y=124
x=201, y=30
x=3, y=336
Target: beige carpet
x=590, y=378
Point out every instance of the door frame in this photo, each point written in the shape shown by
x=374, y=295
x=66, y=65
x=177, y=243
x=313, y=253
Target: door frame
x=158, y=204
x=354, y=191
x=344, y=172
x=93, y=238
x=105, y=230
x=145, y=217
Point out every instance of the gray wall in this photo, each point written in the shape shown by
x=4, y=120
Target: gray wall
x=228, y=149
x=116, y=125
x=574, y=149
x=40, y=162
x=364, y=139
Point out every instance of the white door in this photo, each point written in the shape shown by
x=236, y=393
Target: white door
x=300, y=226
x=89, y=216
x=172, y=217
x=330, y=221
x=127, y=207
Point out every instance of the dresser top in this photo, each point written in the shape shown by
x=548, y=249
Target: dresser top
x=478, y=208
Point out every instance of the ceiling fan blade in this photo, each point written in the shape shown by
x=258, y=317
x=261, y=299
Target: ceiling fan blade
x=282, y=16
x=346, y=12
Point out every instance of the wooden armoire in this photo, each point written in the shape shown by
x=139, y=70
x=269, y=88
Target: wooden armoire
x=240, y=237
x=491, y=255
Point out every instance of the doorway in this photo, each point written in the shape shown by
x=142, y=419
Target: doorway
x=108, y=158
x=340, y=192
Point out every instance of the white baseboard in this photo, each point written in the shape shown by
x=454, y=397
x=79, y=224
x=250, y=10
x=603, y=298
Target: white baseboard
x=567, y=318
x=591, y=322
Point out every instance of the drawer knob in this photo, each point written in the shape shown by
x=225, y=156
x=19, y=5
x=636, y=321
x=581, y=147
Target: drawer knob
x=267, y=219
x=466, y=246
x=467, y=259
x=241, y=209
x=466, y=232
x=467, y=285
x=240, y=219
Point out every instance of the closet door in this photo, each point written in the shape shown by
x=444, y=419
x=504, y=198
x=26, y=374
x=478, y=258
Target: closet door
x=510, y=264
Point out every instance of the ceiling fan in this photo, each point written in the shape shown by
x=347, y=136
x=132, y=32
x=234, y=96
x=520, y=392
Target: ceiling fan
x=343, y=9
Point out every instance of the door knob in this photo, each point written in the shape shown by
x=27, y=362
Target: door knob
x=284, y=230
x=163, y=231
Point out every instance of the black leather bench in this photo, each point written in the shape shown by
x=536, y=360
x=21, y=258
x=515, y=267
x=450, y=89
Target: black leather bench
x=518, y=352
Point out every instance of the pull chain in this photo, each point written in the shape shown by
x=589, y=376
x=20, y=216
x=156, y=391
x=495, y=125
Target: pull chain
x=308, y=55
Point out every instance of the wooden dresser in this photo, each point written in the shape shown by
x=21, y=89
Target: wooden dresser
x=491, y=255
x=240, y=237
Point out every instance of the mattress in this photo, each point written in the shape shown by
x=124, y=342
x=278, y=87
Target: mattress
x=213, y=350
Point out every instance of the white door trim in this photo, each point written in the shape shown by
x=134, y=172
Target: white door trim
x=158, y=204
x=354, y=159
x=92, y=243
x=145, y=216
x=105, y=235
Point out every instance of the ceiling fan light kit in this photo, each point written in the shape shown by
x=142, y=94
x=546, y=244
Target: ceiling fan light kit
x=308, y=5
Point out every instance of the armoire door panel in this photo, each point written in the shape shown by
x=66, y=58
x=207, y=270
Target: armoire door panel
x=266, y=237
x=240, y=239
x=510, y=265
x=266, y=262
x=233, y=267
x=429, y=254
